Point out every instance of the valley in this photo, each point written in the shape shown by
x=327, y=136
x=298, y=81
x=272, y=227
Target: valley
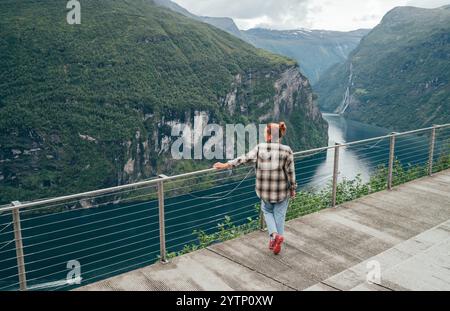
x=399, y=75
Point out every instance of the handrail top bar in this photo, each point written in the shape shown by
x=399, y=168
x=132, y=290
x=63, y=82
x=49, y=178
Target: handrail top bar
x=167, y=178
x=102, y=191
x=370, y=139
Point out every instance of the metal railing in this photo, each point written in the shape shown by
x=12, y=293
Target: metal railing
x=178, y=204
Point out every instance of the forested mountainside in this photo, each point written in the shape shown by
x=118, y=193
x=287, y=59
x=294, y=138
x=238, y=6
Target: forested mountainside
x=315, y=50
x=91, y=105
x=399, y=75
x=225, y=23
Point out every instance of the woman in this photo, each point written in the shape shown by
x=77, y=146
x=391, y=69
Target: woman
x=275, y=179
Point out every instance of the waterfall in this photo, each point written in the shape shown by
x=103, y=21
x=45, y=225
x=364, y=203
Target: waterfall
x=346, y=100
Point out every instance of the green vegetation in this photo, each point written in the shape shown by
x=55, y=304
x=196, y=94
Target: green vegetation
x=225, y=23
x=308, y=202
x=401, y=72
x=79, y=102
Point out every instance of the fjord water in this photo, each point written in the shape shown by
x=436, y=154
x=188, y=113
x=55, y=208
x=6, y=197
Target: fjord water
x=353, y=161
x=119, y=237
x=365, y=158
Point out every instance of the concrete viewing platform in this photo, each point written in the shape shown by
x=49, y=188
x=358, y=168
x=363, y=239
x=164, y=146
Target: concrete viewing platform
x=406, y=231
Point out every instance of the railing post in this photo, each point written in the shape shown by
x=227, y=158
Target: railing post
x=19, y=246
x=162, y=224
x=391, y=160
x=335, y=174
x=432, y=143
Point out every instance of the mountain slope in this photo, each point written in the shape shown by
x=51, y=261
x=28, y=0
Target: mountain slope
x=315, y=50
x=225, y=23
x=399, y=76
x=91, y=105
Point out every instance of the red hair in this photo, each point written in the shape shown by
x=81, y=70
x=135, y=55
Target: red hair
x=281, y=127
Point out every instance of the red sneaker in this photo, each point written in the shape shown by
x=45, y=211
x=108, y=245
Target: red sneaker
x=279, y=239
x=271, y=244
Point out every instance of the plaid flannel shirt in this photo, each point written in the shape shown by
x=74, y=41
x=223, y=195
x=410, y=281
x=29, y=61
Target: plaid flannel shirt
x=275, y=170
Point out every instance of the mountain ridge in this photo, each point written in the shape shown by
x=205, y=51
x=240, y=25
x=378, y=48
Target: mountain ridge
x=398, y=77
x=315, y=50
x=224, y=23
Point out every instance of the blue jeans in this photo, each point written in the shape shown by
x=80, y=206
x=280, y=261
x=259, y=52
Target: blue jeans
x=275, y=215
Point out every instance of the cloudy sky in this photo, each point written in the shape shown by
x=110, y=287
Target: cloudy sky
x=314, y=14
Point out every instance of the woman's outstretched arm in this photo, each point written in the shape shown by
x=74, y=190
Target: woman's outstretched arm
x=251, y=156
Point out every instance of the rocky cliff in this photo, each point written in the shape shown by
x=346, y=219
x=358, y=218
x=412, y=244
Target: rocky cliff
x=92, y=105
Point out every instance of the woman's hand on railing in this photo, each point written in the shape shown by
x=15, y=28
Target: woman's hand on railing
x=222, y=166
